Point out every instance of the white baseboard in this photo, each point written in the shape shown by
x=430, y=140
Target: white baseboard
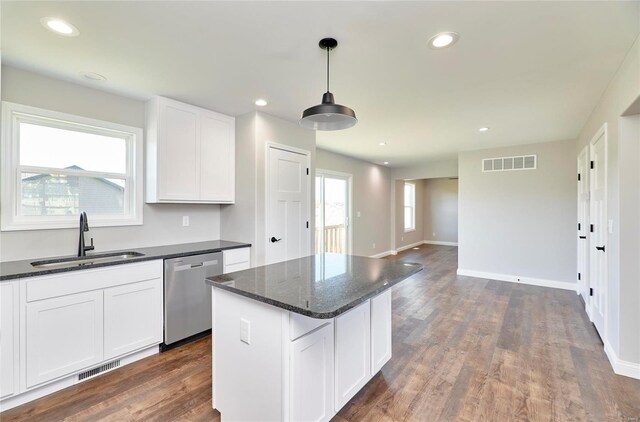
x=438, y=242
x=517, y=279
x=383, y=254
x=621, y=367
x=409, y=246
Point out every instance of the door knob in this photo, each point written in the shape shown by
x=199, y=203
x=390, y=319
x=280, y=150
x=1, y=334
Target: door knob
x=600, y=248
x=274, y=240
x=583, y=237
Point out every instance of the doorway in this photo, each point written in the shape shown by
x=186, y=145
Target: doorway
x=333, y=212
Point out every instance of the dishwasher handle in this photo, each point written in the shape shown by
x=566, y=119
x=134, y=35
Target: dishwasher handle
x=178, y=266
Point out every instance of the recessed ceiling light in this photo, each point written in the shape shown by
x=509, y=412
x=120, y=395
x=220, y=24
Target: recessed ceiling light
x=385, y=163
x=383, y=143
x=94, y=77
x=260, y=102
x=483, y=129
x=60, y=27
x=443, y=39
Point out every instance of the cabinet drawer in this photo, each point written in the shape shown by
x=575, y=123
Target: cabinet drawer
x=236, y=267
x=63, y=284
x=299, y=325
x=236, y=256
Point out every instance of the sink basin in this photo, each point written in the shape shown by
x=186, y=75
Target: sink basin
x=86, y=260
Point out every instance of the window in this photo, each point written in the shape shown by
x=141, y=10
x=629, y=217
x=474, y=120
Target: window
x=57, y=165
x=409, y=206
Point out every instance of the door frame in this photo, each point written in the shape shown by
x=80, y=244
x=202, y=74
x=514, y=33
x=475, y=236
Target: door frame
x=268, y=146
x=349, y=178
x=583, y=282
x=602, y=132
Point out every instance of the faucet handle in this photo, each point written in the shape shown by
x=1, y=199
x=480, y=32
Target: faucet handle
x=91, y=247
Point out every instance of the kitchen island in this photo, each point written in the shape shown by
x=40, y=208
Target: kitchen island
x=296, y=340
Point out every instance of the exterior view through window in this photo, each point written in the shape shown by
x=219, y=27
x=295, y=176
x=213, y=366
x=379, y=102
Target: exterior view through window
x=409, y=206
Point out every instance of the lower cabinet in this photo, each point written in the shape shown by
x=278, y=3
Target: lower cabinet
x=312, y=376
x=131, y=315
x=63, y=335
x=9, y=339
x=380, y=331
x=353, y=353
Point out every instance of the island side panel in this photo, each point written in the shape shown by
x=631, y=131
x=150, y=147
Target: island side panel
x=248, y=358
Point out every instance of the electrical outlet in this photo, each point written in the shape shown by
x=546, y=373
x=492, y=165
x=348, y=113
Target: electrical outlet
x=358, y=214
x=434, y=234
x=185, y=221
x=374, y=246
x=245, y=331
x=401, y=237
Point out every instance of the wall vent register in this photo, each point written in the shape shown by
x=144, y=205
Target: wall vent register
x=100, y=369
x=522, y=162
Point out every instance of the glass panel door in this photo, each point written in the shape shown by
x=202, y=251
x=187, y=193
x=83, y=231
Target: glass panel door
x=332, y=213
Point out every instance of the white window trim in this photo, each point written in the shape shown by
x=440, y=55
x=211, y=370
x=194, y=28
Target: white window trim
x=10, y=186
x=412, y=206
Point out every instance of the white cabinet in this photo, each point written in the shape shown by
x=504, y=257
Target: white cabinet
x=353, y=353
x=190, y=154
x=312, y=376
x=132, y=317
x=9, y=339
x=380, y=331
x=63, y=335
x=236, y=260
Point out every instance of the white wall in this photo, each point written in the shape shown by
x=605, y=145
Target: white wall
x=162, y=222
x=428, y=170
x=371, y=197
x=623, y=300
x=519, y=223
x=245, y=221
x=440, y=210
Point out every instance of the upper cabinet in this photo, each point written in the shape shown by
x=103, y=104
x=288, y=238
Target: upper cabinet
x=190, y=155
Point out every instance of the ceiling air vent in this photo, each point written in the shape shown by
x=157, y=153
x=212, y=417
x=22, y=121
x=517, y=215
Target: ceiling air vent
x=523, y=162
x=100, y=369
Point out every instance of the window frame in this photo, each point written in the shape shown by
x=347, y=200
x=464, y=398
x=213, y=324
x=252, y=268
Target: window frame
x=411, y=206
x=11, y=219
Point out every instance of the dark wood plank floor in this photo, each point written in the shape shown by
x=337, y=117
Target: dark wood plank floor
x=464, y=349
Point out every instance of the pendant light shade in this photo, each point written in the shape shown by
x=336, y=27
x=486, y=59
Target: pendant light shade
x=328, y=115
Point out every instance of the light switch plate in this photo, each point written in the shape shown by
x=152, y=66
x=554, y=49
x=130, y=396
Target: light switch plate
x=185, y=221
x=245, y=331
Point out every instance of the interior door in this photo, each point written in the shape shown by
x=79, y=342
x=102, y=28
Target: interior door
x=598, y=231
x=287, y=205
x=583, y=224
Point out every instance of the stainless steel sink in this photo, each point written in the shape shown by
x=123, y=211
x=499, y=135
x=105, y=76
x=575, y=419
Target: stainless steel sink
x=86, y=260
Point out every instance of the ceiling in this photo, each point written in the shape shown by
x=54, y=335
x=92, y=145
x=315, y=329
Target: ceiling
x=531, y=71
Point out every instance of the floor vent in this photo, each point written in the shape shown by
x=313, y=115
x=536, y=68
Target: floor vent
x=522, y=162
x=98, y=370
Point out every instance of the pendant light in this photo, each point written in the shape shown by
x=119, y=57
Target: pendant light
x=328, y=115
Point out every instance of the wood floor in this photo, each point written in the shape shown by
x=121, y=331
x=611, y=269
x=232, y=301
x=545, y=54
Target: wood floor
x=464, y=349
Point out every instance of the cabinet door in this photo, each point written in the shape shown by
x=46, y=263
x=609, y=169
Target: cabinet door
x=380, y=331
x=8, y=338
x=63, y=335
x=217, y=157
x=312, y=376
x=353, y=353
x=132, y=317
x=178, y=150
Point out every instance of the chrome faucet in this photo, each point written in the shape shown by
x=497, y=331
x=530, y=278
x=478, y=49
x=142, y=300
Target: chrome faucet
x=84, y=227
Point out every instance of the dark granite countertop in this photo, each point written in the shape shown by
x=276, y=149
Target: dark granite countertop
x=319, y=286
x=21, y=269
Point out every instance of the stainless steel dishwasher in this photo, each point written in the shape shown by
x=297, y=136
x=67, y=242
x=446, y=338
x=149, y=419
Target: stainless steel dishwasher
x=187, y=299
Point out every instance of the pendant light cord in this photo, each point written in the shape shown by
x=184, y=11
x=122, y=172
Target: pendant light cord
x=328, y=49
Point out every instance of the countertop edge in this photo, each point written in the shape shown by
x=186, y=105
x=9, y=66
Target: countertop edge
x=306, y=312
x=38, y=273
